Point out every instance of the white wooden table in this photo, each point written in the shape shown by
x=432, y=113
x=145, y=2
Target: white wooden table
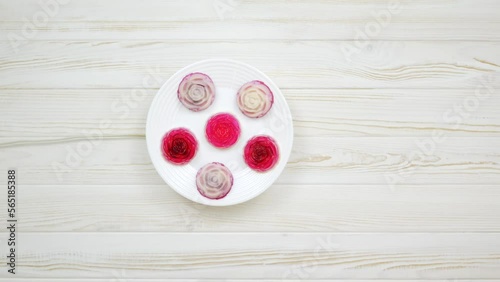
x=395, y=172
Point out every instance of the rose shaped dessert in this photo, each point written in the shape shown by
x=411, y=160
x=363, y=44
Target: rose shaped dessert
x=214, y=181
x=196, y=91
x=255, y=99
x=223, y=130
x=261, y=153
x=179, y=146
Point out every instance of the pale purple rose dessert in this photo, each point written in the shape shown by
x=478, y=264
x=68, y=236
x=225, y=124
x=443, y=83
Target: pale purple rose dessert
x=196, y=91
x=214, y=181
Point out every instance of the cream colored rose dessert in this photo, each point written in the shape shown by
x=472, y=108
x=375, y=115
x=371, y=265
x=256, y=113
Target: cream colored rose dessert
x=214, y=181
x=255, y=99
x=196, y=91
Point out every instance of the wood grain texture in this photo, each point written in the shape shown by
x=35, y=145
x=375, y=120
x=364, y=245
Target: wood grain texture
x=255, y=256
x=381, y=203
x=284, y=20
x=316, y=112
x=314, y=160
x=292, y=64
x=300, y=208
x=225, y=280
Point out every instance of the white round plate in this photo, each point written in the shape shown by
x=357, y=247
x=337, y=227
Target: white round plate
x=166, y=113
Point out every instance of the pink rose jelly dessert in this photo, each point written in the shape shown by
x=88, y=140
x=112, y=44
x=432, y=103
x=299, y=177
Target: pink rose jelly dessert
x=214, y=181
x=179, y=146
x=261, y=153
x=223, y=130
x=196, y=91
x=255, y=99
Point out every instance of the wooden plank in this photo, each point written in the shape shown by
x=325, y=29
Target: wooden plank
x=194, y=10
x=283, y=208
x=258, y=256
x=302, y=65
x=226, y=280
x=316, y=112
x=314, y=160
x=219, y=20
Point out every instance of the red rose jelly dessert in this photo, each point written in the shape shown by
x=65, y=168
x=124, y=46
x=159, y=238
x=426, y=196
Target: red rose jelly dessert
x=261, y=153
x=214, y=181
x=223, y=130
x=196, y=91
x=255, y=99
x=179, y=146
